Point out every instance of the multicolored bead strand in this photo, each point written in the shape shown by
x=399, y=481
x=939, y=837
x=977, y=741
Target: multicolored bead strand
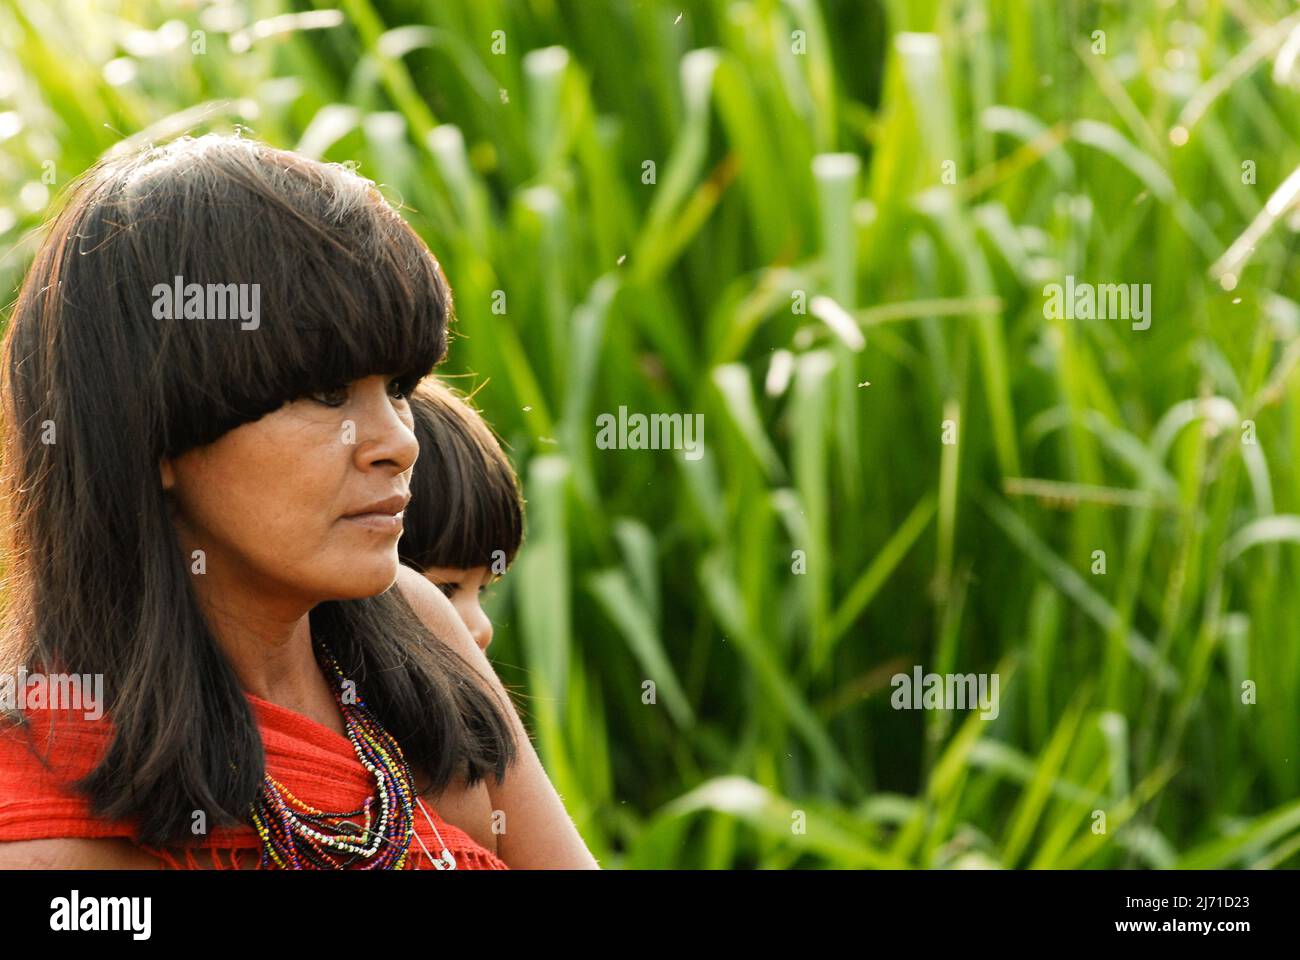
x=297, y=836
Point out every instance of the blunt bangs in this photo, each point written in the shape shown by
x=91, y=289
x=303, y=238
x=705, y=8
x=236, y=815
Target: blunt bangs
x=332, y=283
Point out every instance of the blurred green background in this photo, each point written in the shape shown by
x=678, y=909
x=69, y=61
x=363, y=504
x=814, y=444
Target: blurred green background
x=854, y=209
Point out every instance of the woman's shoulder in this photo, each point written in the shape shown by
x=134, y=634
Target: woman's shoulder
x=41, y=757
x=429, y=604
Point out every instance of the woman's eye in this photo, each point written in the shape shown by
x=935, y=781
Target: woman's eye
x=399, y=388
x=448, y=589
x=333, y=397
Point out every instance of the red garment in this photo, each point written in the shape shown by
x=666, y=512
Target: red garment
x=316, y=764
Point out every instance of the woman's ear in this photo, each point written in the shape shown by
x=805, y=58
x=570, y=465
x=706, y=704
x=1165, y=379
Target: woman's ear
x=167, y=473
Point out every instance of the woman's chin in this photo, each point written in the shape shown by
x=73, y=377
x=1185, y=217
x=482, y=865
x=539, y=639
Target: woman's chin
x=366, y=578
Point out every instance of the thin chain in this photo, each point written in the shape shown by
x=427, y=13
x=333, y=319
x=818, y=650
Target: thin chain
x=446, y=861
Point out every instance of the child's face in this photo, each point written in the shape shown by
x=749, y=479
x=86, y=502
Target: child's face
x=463, y=588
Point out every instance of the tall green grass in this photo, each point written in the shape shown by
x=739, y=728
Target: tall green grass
x=799, y=175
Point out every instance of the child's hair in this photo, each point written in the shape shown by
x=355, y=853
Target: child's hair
x=465, y=499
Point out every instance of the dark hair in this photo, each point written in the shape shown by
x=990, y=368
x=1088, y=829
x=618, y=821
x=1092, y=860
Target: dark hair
x=97, y=581
x=465, y=499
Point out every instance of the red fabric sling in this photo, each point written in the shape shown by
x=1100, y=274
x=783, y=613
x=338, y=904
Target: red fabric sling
x=314, y=762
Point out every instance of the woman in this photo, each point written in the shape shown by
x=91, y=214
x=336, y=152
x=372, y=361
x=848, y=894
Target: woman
x=208, y=447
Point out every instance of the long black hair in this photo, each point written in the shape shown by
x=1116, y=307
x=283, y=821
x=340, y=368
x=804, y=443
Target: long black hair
x=96, y=389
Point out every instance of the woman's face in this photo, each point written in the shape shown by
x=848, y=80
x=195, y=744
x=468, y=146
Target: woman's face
x=279, y=506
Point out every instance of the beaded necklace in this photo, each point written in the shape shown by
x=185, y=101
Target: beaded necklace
x=297, y=836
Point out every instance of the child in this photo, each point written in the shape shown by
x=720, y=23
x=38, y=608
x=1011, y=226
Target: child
x=464, y=523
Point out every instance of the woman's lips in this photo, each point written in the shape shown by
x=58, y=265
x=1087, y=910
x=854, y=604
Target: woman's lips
x=382, y=516
x=379, y=522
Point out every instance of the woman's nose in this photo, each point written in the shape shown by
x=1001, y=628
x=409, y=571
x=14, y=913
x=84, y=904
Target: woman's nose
x=385, y=436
